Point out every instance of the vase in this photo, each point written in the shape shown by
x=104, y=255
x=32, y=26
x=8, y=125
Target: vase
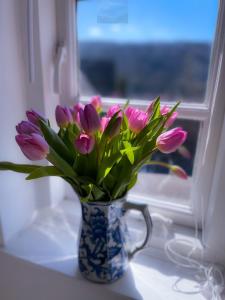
x=104, y=252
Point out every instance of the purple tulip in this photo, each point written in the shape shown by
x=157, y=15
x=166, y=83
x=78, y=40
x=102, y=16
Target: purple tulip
x=63, y=116
x=114, y=109
x=137, y=119
x=34, y=117
x=75, y=112
x=169, y=141
x=89, y=119
x=115, y=128
x=97, y=103
x=33, y=146
x=164, y=111
x=26, y=127
x=84, y=143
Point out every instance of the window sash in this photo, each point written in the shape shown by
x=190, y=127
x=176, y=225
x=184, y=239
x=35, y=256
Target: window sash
x=204, y=112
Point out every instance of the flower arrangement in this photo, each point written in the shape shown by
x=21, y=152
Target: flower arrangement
x=98, y=155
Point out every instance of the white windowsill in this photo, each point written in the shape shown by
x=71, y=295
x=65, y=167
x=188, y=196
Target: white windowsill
x=50, y=241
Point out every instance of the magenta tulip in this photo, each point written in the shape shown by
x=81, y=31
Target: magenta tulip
x=169, y=141
x=63, y=116
x=33, y=146
x=137, y=119
x=114, y=109
x=104, y=123
x=34, y=117
x=178, y=171
x=84, y=143
x=164, y=111
x=26, y=127
x=75, y=112
x=97, y=103
x=89, y=119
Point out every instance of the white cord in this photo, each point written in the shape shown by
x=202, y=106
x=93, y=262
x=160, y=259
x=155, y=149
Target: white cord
x=211, y=280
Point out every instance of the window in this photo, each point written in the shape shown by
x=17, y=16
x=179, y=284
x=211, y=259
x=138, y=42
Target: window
x=156, y=48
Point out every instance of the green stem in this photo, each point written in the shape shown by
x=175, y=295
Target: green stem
x=159, y=163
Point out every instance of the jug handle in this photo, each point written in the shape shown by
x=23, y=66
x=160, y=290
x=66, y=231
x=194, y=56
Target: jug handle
x=143, y=208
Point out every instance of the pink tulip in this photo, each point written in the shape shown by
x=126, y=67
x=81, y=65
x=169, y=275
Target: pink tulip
x=84, y=143
x=33, y=146
x=34, y=117
x=164, y=111
x=89, y=119
x=75, y=112
x=169, y=141
x=137, y=119
x=104, y=123
x=26, y=127
x=178, y=171
x=63, y=116
x=97, y=103
x=114, y=109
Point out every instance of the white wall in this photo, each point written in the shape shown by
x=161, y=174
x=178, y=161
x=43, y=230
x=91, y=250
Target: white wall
x=17, y=196
x=19, y=199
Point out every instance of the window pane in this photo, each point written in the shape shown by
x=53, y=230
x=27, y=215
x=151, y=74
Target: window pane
x=156, y=181
x=142, y=49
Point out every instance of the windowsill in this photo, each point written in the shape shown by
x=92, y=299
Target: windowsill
x=50, y=241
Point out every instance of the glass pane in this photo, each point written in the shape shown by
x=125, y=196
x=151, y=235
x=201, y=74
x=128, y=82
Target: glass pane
x=142, y=49
x=154, y=180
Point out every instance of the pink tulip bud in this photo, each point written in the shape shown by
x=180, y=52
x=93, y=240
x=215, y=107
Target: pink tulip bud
x=33, y=146
x=34, y=117
x=84, y=143
x=164, y=111
x=115, y=128
x=178, y=171
x=137, y=119
x=114, y=109
x=89, y=119
x=169, y=141
x=75, y=112
x=63, y=116
x=97, y=103
x=26, y=127
x=104, y=123
x=150, y=108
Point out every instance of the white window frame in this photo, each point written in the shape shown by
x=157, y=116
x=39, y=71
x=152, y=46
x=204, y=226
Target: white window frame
x=210, y=113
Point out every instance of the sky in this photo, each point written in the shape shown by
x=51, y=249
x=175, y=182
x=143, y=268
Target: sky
x=147, y=20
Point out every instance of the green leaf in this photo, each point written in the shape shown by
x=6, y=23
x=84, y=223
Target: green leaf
x=20, y=168
x=55, y=142
x=132, y=182
x=156, y=109
x=61, y=164
x=43, y=172
x=147, y=130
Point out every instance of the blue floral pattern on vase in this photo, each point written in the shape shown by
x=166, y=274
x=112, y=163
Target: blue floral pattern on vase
x=103, y=253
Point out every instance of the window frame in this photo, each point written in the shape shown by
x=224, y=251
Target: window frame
x=206, y=113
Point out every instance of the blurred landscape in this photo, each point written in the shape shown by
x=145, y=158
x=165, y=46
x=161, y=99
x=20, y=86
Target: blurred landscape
x=145, y=70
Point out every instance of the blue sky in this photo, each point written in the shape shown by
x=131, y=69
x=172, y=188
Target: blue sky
x=148, y=20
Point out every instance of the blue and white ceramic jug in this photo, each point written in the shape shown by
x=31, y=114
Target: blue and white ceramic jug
x=103, y=248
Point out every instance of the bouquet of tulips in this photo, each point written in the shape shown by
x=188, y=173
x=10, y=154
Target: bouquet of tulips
x=98, y=154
